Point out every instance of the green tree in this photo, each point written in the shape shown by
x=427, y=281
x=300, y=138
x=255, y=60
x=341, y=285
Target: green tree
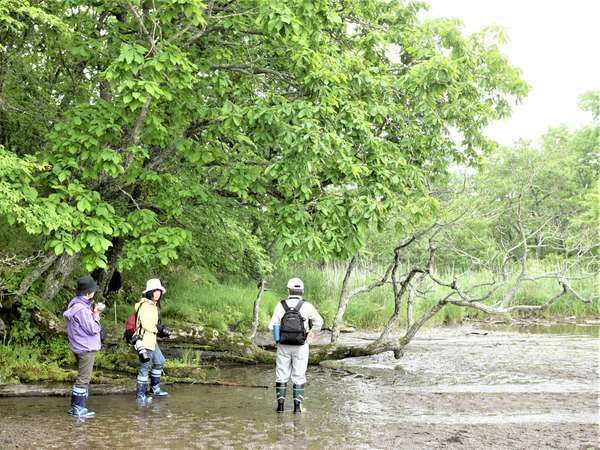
x=320, y=117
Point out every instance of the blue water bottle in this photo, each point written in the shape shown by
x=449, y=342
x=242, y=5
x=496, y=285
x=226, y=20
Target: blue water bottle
x=277, y=333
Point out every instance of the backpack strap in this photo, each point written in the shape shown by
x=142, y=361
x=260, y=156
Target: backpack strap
x=286, y=308
x=138, y=328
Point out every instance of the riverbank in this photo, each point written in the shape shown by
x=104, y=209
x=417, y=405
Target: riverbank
x=195, y=351
x=458, y=388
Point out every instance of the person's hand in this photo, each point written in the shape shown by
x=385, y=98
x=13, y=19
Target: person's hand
x=99, y=309
x=311, y=337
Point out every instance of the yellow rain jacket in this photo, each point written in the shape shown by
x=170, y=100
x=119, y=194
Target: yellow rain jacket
x=147, y=319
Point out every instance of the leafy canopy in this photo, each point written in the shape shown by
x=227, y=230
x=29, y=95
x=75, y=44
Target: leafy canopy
x=301, y=123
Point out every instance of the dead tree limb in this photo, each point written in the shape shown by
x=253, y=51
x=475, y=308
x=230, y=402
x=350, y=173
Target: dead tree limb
x=346, y=295
x=256, y=308
x=36, y=273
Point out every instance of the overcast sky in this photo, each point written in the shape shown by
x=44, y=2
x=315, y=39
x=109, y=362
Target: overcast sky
x=557, y=46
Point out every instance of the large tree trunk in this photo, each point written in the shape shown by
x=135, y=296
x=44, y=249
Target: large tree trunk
x=256, y=309
x=344, y=300
x=48, y=324
x=236, y=346
x=36, y=273
x=58, y=275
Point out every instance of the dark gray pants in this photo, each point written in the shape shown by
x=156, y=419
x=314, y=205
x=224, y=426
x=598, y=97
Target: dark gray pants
x=85, y=365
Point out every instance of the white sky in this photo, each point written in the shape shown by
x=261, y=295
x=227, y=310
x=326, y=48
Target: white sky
x=555, y=43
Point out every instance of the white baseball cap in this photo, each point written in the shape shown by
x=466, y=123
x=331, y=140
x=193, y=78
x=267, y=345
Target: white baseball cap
x=295, y=283
x=154, y=284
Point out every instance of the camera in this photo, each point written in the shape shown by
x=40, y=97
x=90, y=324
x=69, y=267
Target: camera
x=162, y=331
x=141, y=350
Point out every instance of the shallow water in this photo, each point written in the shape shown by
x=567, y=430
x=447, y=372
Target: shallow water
x=450, y=390
x=555, y=329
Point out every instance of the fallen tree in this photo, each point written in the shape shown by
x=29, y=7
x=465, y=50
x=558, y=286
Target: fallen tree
x=496, y=296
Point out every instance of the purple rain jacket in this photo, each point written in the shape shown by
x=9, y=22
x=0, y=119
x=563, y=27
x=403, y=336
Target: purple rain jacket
x=83, y=327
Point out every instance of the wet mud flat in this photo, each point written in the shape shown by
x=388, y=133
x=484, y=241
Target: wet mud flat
x=454, y=388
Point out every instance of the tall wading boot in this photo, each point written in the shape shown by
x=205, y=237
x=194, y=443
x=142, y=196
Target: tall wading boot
x=140, y=393
x=280, y=391
x=155, y=384
x=78, y=409
x=298, y=398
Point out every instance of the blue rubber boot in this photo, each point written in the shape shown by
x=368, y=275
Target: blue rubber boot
x=78, y=409
x=140, y=393
x=156, y=390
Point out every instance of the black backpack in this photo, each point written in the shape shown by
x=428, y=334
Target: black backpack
x=292, y=325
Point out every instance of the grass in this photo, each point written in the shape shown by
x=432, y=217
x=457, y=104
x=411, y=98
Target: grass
x=54, y=362
x=31, y=363
x=371, y=310
x=214, y=305
x=193, y=299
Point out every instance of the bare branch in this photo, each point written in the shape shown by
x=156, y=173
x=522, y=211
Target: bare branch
x=142, y=26
x=130, y=197
x=15, y=262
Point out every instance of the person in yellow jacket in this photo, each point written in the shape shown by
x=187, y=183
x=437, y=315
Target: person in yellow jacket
x=148, y=327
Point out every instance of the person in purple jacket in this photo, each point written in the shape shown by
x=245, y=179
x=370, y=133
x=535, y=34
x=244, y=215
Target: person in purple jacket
x=83, y=330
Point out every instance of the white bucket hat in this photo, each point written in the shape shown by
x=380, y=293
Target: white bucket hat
x=296, y=284
x=154, y=284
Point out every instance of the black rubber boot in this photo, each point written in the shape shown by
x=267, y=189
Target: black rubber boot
x=298, y=398
x=280, y=405
x=280, y=391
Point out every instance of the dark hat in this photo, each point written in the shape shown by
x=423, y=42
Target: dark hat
x=86, y=285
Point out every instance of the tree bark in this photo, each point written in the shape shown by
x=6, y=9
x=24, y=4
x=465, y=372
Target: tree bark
x=36, y=273
x=61, y=270
x=233, y=344
x=256, y=309
x=397, y=305
x=344, y=300
x=379, y=346
x=48, y=324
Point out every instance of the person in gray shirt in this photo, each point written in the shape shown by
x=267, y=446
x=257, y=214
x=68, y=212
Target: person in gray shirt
x=294, y=324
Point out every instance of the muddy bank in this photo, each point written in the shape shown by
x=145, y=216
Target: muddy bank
x=454, y=388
